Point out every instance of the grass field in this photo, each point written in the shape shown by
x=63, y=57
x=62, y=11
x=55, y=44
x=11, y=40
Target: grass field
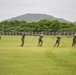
x=33, y=60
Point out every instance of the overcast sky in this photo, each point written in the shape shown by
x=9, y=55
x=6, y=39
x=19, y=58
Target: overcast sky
x=65, y=9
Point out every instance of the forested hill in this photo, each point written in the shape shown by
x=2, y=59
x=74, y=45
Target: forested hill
x=36, y=17
x=42, y=25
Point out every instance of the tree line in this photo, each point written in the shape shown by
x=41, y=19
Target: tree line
x=42, y=25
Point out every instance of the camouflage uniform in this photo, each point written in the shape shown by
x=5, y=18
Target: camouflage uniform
x=40, y=41
x=74, y=40
x=57, y=41
x=0, y=35
x=22, y=39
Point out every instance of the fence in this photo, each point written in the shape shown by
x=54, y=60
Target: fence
x=37, y=33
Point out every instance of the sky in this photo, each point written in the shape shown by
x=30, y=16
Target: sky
x=65, y=9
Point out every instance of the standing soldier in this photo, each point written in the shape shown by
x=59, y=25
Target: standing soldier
x=57, y=41
x=22, y=39
x=40, y=41
x=74, y=40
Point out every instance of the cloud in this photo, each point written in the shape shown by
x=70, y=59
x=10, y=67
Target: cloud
x=59, y=8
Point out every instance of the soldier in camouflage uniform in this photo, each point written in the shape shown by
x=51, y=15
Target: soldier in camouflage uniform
x=0, y=35
x=22, y=39
x=57, y=41
x=40, y=41
x=74, y=40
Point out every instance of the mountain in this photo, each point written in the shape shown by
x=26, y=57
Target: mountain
x=36, y=17
x=74, y=23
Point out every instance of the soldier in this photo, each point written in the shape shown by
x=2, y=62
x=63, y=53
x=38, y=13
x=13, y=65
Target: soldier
x=0, y=35
x=57, y=41
x=74, y=40
x=22, y=39
x=40, y=41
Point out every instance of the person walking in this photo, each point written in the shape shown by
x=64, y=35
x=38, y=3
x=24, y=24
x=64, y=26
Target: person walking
x=40, y=41
x=57, y=41
x=22, y=39
x=0, y=35
x=74, y=40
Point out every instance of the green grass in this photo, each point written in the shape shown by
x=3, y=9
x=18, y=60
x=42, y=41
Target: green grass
x=33, y=60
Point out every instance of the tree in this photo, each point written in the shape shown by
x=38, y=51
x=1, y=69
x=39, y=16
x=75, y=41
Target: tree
x=55, y=26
